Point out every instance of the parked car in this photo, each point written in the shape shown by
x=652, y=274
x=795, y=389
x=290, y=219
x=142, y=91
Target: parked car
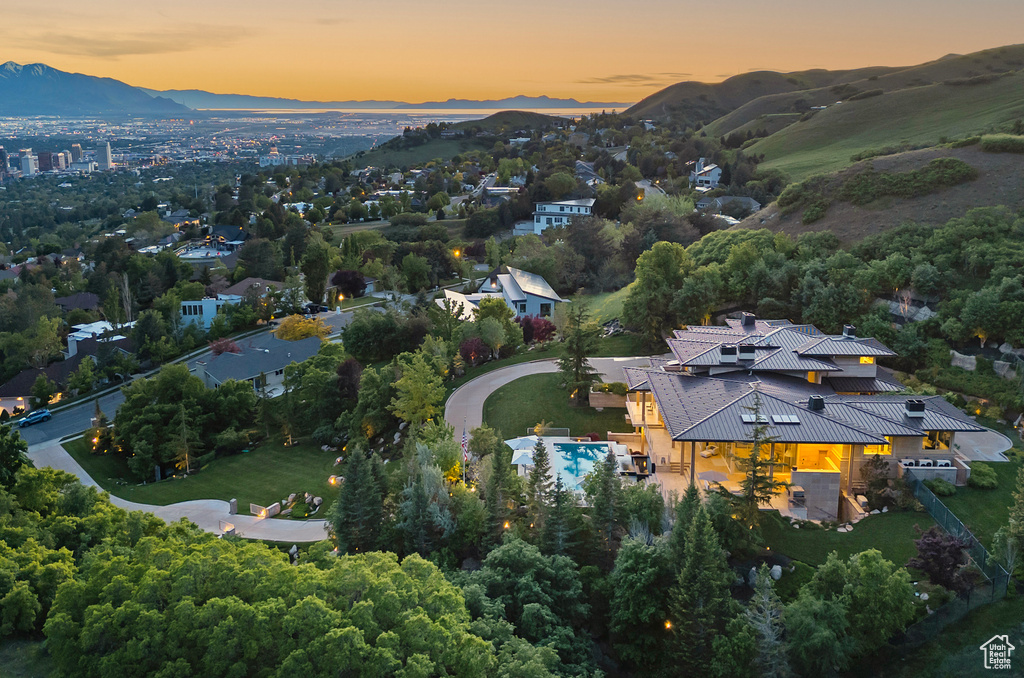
x=34, y=417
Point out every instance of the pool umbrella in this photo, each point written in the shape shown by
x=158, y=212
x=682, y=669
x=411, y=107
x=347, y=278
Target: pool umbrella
x=523, y=443
x=713, y=476
x=523, y=458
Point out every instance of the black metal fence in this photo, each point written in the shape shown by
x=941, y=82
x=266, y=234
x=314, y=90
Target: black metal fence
x=991, y=589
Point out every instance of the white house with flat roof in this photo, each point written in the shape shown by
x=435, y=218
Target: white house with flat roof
x=559, y=212
x=201, y=311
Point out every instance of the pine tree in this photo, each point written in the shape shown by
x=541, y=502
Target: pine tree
x=496, y=492
x=558, y=536
x=356, y=516
x=699, y=601
x=603, y=489
x=764, y=614
x=427, y=520
x=580, y=340
x=538, y=485
x=758, y=486
x=686, y=509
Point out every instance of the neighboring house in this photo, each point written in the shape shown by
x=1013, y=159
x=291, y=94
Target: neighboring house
x=84, y=301
x=88, y=334
x=715, y=205
x=180, y=218
x=525, y=293
x=559, y=212
x=705, y=175
x=17, y=392
x=263, y=354
x=828, y=407
x=260, y=286
x=227, y=237
x=202, y=311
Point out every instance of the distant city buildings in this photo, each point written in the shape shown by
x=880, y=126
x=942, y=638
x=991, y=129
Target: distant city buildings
x=104, y=158
x=29, y=164
x=76, y=152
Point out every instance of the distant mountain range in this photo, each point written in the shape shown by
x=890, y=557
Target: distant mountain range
x=199, y=99
x=37, y=89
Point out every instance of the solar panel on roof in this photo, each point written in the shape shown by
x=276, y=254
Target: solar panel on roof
x=785, y=419
x=754, y=419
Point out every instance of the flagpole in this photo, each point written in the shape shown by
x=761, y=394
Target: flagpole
x=465, y=451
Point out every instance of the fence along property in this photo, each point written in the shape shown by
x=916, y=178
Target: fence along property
x=989, y=591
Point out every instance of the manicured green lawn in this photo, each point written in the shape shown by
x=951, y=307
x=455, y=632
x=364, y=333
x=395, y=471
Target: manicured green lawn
x=954, y=653
x=985, y=511
x=266, y=474
x=525, y=402
x=891, y=533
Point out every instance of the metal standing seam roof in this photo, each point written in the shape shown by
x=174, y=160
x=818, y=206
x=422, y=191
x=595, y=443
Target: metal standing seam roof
x=893, y=408
x=510, y=288
x=783, y=360
x=826, y=346
x=531, y=283
x=868, y=421
x=637, y=378
x=863, y=385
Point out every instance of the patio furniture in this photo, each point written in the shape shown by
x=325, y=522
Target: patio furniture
x=710, y=451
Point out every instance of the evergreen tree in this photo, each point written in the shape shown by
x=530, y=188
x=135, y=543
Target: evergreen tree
x=356, y=516
x=700, y=602
x=538, y=485
x=758, y=486
x=558, y=536
x=13, y=455
x=496, y=493
x=764, y=614
x=686, y=509
x=427, y=520
x=603, y=488
x=580, y=340
x=639, y=607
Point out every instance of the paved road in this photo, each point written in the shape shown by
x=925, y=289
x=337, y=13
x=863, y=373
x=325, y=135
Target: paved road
x=208, y=514
x=466, y=404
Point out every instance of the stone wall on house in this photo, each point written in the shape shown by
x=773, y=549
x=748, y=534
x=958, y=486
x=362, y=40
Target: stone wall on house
x=600, y=400
x=821, y=493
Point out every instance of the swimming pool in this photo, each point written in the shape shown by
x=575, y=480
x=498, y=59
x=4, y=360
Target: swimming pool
x=573, y=461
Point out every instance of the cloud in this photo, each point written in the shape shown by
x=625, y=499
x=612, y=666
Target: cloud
x=182, y=40
x=636, y=79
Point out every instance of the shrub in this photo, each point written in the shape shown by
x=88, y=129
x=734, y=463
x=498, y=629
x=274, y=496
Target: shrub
x=1002, y=143
x=983, y=476
x=474, y=351
x=866, y=95
x=867, y=186
x=967, y=141
x=409, y=219
x=816, y=210
x=616, y=387
x=941, y=488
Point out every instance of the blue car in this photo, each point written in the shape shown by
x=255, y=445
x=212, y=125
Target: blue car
x=34, y=417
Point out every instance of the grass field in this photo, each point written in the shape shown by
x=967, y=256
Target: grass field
x=891, y=533
x=525, y=402
x=266, y=474
x=985, y=511
x=608, y=305
x=436, y=148
x=915, y=115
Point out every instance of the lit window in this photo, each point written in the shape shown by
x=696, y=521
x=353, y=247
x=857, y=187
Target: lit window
x=867, y=360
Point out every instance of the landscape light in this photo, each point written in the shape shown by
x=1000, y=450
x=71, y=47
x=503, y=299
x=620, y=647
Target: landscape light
x=506, y=524
x=668, y=625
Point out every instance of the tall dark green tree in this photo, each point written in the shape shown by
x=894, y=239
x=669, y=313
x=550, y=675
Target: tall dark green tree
x=426, y=517
x=764, y=614
x=559, y=534
x=686, y=509
x=699, y=602
x=496, y=497
x=13, y=455
x=603, y=489
x=639, y=607
x=580, y=341
x=538, y=484
x=356, y=517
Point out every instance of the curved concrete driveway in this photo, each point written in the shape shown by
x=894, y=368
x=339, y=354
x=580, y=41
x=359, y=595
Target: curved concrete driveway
x=985, y=445
x=466, y=403
x=208, y=514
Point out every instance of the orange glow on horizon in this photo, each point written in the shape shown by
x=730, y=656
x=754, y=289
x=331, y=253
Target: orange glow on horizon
x=419, y=51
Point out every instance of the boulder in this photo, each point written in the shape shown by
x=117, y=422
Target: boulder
x=752, y=576
x=317, y=501
x=291, y=497
x=398, y=436
x=401, y=427
x=293, y=550
x=885, y=509
x=776, y=572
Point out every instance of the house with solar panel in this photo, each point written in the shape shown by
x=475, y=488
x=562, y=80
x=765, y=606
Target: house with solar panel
x=828, y=406
x=525, y=293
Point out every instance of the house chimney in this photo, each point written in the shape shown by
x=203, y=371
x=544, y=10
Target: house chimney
x=915, y=408
x=729, y=354
x=816, y=403
x=746, y=352
x=748, y=319
x=849, y=332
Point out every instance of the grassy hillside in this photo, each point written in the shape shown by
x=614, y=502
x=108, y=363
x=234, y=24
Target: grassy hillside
x=917, y=116
x=509, y=121
x=1000, y=181
x=391, y=155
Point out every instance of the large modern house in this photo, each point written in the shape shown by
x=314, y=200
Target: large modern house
x=828, y=407
x=525, y=293
x=558, y=213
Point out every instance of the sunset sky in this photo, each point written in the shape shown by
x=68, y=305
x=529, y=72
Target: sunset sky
x=416, y=50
